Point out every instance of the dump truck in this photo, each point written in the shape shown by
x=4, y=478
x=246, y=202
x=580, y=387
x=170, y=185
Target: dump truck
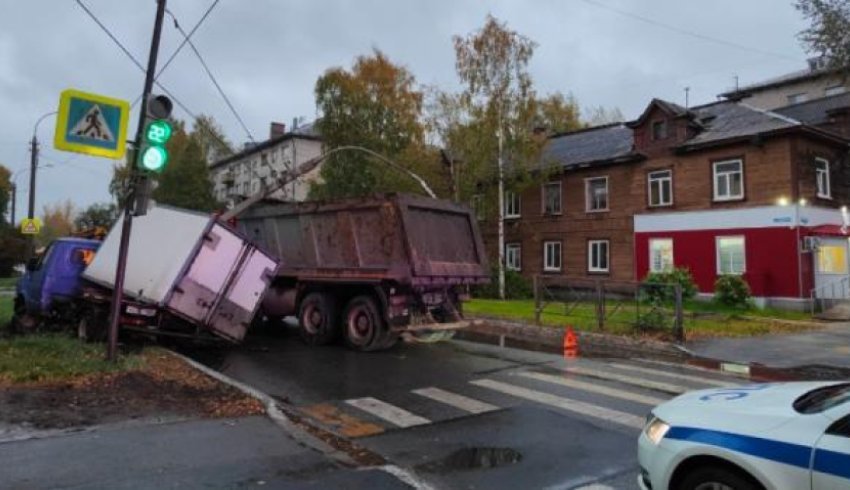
x=369, y=269
x=187, y=275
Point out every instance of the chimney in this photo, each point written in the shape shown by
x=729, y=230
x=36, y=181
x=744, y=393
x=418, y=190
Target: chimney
x=276, y=129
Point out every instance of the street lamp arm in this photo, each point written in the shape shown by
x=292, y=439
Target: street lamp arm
x=308, y=167
x=42, y=118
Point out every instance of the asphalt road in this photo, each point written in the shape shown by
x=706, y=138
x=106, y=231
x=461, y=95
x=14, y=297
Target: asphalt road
x=463, y=415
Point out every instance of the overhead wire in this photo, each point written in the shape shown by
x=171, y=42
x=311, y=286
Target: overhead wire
x=688, y=32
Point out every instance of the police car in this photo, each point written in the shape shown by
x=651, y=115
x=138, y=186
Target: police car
x=782, y=436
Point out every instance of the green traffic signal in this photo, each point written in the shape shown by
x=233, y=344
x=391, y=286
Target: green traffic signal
x=154, y=156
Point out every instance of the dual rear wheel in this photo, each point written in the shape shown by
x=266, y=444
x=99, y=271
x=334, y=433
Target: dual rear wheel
x=361, y=322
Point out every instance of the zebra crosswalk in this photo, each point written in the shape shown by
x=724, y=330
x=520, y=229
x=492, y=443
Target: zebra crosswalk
x=617, y=394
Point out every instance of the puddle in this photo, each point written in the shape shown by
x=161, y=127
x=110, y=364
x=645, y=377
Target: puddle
x=473, y=458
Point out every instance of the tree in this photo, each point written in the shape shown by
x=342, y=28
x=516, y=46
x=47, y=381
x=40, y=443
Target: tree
x=185, y=182
x=12, y=244
x=375, y=105
x=98, y=215
x=58, y=221
x=5, y=193
x=211, y=139
x=500, y=102
x=599, y=115
x=557, y=113
x=827, y=34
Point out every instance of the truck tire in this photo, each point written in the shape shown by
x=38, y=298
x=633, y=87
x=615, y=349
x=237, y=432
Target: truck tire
x=317, y=319
x=365, y=329
x=22, y=321
x=92, y=326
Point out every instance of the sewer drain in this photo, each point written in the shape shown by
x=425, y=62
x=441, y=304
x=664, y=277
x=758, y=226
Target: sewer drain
x=472, y=458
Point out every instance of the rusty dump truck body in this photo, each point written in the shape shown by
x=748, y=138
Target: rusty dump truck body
x=404, y=261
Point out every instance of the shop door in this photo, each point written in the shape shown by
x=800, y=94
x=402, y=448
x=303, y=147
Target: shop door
x=831, y=274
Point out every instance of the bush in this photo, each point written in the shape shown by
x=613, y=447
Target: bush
x=732, y=291
x=516, y=286
x=655, y=289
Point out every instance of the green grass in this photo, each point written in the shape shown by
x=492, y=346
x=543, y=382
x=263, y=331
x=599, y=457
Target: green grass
x=8, y=282
x=5, y=311
x=55, y=357
x=724, y=322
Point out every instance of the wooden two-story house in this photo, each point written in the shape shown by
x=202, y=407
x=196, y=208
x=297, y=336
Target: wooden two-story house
x=723, y=188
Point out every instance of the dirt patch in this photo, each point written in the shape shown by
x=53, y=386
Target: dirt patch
x=164, y=386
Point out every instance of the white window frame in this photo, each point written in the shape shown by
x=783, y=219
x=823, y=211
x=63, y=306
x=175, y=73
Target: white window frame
x=798, y=98
x=825, y=173
x=652, y=267
x=596, y=243
x=718, y=259
x=834, y=90
x=560, y=198
x=511, y=198
x=660, y=181
x=513, y=250
x=587, y=196
x=550, y=268
x=715, y=175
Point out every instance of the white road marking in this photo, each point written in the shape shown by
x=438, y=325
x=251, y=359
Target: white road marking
x=570, y=405
x=595, y=486
x=640, y=382
x=667, y=374
x=595, y=388
x=390, y=413
x=689, y=367
x=464, y=403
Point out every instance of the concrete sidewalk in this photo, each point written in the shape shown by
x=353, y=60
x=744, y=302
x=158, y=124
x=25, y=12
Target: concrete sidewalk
x=221, y=453
x=827, y=347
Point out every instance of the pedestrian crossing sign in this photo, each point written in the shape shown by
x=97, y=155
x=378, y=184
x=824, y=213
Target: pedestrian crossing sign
x=92, y=124
x=30, y=226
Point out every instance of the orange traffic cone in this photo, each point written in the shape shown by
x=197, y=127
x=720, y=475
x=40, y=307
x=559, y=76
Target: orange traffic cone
x=570, y=343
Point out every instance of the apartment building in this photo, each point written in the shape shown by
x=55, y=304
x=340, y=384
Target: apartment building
x=722, y=188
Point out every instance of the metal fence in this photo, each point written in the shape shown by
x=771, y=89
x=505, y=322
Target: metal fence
x=609, y=306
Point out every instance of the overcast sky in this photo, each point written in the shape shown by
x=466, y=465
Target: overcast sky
x=267, y=54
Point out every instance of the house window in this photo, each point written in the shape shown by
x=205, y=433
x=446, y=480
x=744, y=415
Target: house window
x=477, y=204
x=660, y=254
x=552, y=198
x=834, y=90
x=659, y=130
x=513, y=256
x=728, y=180
x=731, y=258
x=511, y=204
x=597, y=256
x=661, y=188
x=552, y=256
x=596, y=192
x=822, y=175
x=797, y=98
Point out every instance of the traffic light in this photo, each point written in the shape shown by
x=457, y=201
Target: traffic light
x=154, y=155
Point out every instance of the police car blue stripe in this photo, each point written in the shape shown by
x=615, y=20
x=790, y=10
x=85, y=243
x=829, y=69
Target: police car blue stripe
x=781, y=452
x=832, y=463
x=827, y=462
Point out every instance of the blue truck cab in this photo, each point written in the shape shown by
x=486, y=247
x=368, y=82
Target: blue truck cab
x=52, y=282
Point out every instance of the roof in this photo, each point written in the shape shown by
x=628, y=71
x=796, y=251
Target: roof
x=786, y=79
x=815, y=111
x=596, y=144
x=305, y=131
x=731, y=120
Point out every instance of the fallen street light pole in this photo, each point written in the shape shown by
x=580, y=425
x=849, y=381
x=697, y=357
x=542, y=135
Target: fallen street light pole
x=127, y=224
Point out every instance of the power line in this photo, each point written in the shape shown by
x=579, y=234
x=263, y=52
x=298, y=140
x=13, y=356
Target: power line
x=139, y=65
x=212, y=77
x=687, y=32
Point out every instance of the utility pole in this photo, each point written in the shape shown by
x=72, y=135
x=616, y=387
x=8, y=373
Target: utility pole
x=136, y=181
x=501, y=163
x=14, y=199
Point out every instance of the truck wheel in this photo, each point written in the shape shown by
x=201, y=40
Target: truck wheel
x=22, y=322
x=317, y=319
x=364, y=327
x=92, y=326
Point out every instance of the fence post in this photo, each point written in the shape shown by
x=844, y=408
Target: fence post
x=680, y=321
x=536, y=285
x=600, y=306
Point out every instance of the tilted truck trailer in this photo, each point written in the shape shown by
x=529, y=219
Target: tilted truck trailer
x=369, y=269
x=187, y=275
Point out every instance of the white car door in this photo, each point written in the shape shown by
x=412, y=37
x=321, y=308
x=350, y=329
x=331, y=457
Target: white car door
x=831, y=461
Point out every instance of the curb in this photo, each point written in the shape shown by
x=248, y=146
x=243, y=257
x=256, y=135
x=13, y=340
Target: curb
x=299, y=434
x=272, y=410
